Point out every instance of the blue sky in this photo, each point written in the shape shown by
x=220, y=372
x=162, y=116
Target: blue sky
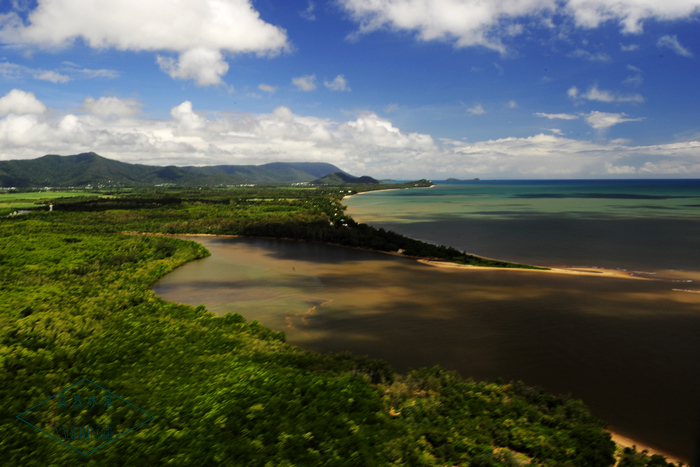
x=388, y=88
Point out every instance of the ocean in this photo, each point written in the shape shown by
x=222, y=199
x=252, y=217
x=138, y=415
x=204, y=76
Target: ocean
x=624, y=224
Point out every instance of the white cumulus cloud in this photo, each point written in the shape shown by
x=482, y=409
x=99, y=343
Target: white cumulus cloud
x=199, y=30
x=305, y=83
x=629, y=14
x=373, y=131
x=338, y=84
x=20, y=102
x=205, y=66
x=362, y=144
x=18, y=131
x=468, y=23
x=463, y=22
x=186, y=118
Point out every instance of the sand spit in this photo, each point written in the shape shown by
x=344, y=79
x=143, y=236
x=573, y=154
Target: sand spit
x=575, y=272
x=625, y=442
x=388, y=189
x=598, y=272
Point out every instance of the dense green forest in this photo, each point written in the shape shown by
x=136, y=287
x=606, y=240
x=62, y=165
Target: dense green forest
x=77, y=303
x=341, y=178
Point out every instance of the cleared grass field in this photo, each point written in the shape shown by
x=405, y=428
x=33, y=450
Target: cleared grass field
x=11, y=201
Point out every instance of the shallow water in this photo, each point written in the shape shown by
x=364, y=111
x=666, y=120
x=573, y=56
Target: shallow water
x=633, y=224
x=628, y=348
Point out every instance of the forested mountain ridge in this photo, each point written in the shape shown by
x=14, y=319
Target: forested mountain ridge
x=90, y=169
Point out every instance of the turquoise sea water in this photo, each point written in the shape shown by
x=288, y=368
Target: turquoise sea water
x=626, y=224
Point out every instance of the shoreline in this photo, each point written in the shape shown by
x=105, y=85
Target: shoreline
x=578, y=271
x=388, y=189
x=591, y=272
x=625, y=442
x=161, y=234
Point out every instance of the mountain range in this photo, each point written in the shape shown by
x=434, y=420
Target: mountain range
x=90, y=169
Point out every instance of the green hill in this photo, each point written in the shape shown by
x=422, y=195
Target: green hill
x=341, y=178
x=91, y=169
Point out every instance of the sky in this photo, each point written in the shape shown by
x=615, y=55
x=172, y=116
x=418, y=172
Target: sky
x=399, y=89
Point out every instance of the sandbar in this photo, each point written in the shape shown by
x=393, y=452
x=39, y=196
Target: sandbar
x=625, y=442
x=388, y=189
x=597, y=272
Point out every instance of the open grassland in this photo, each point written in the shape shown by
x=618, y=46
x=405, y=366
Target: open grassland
x=11, y=201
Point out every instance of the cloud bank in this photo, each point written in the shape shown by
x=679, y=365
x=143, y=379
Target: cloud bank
x=106, y=107
x=363, y=144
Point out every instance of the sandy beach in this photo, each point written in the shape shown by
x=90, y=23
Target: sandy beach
x=388, y=189
x=625, y=442
x=598, y=272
